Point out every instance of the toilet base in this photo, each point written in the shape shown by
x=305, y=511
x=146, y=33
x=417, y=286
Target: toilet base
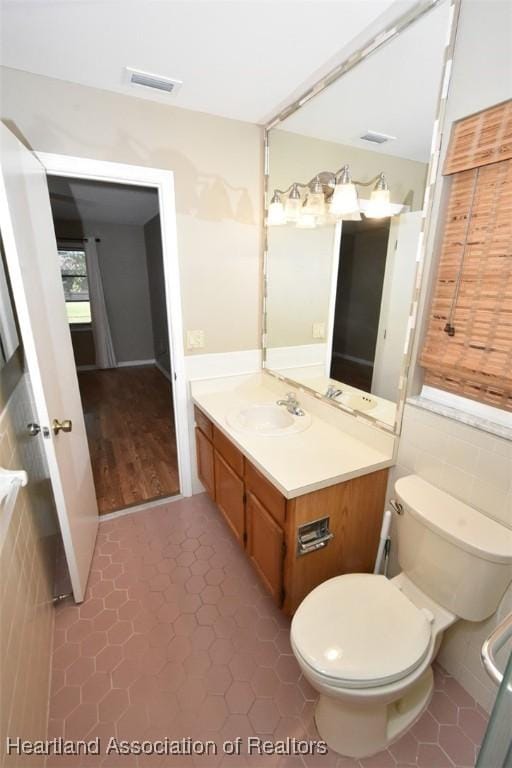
x=362, y=730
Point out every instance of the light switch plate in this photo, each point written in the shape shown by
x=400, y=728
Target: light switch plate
x=195, y=339
x=319, y=330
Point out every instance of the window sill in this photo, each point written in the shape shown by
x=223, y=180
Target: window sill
x=457, y=414
x=80, y=327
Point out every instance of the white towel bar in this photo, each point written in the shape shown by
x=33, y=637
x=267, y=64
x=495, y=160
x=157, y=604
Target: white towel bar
x=10, y=482
x=9, y=479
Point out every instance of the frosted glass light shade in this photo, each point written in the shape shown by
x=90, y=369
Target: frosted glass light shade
x=276, y=215
x=344, y=200
x=379, y=205
x=306, y=220
x=315, y=204
x=292, y=209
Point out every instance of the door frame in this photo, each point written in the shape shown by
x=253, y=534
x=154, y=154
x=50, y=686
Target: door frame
x=163, y=181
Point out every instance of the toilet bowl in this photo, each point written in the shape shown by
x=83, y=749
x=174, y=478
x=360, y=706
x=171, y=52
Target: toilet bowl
x=366, y=643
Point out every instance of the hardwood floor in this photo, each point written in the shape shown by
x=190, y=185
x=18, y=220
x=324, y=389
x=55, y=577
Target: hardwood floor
x=131, y=434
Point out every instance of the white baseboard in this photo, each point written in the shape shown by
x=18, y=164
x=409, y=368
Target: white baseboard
x=163, y=371
x=135, y=363
x=218, y=364
x=123, y=364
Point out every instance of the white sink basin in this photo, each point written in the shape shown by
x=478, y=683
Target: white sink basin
x=359, y=402
x=267, y=419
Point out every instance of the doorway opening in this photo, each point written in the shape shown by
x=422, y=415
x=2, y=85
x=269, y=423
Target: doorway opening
x=112, y=267
x=362, y=267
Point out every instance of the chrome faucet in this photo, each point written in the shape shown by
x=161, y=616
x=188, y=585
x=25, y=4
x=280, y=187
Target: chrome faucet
x=292, y=404
x=332, y=392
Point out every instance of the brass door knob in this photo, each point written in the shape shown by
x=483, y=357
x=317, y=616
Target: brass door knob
x=64, y=426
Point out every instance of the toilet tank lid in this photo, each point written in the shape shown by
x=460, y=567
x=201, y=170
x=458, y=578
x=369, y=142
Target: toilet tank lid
x=455, y=521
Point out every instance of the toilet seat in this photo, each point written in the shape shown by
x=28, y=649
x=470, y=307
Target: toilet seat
x=360, y=631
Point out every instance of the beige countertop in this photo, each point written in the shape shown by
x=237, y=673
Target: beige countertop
x=333, y=449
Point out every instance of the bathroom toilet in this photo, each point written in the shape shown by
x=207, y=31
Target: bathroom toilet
x=366, y=643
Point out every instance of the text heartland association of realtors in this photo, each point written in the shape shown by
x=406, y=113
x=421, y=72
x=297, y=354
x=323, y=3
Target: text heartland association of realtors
x=252, y=745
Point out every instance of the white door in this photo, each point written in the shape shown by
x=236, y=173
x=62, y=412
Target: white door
x=397, y=291
x=33, y=262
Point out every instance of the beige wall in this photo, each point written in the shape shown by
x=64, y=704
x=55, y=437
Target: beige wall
x=299, y=283
x=470, y=464
x=26, y=583
x=217, y=167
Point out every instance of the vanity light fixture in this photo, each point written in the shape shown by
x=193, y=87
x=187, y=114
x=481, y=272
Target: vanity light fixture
x=306, y=219
x=378, y=206
x=293, y=205
x=328, y=195
x=276, y=215
x=316, y=200
x=344, y=198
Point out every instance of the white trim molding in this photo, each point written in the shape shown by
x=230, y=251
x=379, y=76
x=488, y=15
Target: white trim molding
x=163, y=182
x=479, y=415
x=134, y=363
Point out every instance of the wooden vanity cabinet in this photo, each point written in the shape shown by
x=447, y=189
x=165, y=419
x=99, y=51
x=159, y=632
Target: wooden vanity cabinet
x=230, y=496
x=205, y=462
x=266, y=523
x=265, y=545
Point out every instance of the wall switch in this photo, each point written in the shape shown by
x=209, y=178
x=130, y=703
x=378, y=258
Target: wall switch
x=319, y=330
x=195, y=339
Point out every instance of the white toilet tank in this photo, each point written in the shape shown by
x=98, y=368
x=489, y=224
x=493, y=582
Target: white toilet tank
x=456, y=555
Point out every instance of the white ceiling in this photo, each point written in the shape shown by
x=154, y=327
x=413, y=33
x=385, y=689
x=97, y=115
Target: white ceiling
x=394, y=92
x=237, y=58
x=91, y=201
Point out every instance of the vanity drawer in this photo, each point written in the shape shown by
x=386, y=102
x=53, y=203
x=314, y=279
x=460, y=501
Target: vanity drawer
x=204, y=423
x=228, y=451
x=267, y=494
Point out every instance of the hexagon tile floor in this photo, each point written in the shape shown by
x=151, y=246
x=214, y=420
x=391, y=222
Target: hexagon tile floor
x=177, y=638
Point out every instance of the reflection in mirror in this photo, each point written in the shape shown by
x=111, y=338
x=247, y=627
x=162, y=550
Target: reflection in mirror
x=8, y=333
x=347, y=175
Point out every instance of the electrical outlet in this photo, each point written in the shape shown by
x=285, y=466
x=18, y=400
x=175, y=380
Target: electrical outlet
x=319, y=330
x=195, y=339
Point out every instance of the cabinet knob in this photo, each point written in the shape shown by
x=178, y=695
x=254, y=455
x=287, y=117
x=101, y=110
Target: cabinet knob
x=62, y=426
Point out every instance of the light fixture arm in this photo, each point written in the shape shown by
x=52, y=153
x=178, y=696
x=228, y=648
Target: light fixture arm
x=330, y=178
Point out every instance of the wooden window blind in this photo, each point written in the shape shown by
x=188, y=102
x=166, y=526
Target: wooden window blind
x=481, y=139
x=468, y=346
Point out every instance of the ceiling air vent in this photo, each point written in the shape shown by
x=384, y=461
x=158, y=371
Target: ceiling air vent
x=376, y=138
x=155, y=82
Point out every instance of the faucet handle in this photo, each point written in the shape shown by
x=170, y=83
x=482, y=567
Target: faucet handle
x=290, y=396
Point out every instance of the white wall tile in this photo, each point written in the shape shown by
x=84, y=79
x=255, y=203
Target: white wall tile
x=494, y=469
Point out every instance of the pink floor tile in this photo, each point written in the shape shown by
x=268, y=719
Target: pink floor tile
x=177, y=637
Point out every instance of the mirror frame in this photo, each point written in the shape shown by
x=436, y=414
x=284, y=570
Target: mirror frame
x=386, y=35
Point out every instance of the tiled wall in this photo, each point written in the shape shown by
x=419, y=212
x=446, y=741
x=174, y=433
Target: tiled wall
x=475, y=467
x=26, y=583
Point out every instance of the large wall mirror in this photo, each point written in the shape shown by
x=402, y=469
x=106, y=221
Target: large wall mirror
x=347, y=173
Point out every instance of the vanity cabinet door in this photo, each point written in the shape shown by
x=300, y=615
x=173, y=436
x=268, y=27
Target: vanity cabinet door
x=229, y=495
x=265, y=546
x=205, y=462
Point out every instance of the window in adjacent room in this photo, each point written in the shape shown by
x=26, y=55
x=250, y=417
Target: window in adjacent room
x=76, y=285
